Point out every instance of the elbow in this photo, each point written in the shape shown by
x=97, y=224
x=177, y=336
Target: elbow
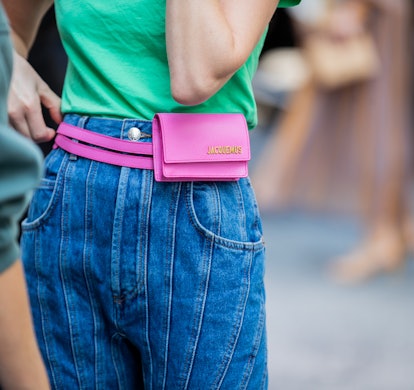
x=194, y=92
x=193, y=83
x=192, y=88
x=189, y=96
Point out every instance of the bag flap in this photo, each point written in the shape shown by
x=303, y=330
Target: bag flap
x=203, y=137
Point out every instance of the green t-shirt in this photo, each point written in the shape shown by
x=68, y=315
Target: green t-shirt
x=118, y=63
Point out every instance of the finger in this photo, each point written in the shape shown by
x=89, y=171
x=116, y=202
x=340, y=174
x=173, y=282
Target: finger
x=51, y=101
x=17, y=117
x=37, y=127
x=19, y=123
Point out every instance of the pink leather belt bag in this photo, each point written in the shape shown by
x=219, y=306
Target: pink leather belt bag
x=185, y=147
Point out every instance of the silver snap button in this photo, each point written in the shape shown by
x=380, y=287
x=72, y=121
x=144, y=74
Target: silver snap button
x=134, y=134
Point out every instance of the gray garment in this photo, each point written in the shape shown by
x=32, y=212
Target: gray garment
x=20, y=161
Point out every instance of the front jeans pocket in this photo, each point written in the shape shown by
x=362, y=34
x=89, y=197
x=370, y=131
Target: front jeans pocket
x=226, y=212
x=47, y=193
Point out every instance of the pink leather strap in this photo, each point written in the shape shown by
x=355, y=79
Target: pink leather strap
x=78, y=141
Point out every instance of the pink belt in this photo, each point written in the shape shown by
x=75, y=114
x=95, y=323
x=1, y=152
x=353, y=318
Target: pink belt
x=79, y=141
x=185, y=147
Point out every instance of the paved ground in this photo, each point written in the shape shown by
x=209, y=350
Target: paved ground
x=328, y=337
x=323, y=336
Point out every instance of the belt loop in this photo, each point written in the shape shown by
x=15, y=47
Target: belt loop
x=83, y=121
x=124, y=123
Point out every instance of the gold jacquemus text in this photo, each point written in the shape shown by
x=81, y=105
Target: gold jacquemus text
x=223, y=149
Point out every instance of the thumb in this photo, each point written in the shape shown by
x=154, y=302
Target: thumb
x=51, y=101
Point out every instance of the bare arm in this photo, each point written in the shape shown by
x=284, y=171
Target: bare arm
x=28, y=91
x=21, y=366
x=208, y=41
x=25, y=18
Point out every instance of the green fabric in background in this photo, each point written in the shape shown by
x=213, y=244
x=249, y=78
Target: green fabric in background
x=288, y=3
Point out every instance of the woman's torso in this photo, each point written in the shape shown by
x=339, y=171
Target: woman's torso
x=118, y=63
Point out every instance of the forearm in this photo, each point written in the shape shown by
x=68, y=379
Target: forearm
x=208, y=41
x=27, y=90
x=21, y=366
x=25, y=17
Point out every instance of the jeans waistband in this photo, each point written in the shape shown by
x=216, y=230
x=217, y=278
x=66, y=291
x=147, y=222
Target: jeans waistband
x=99, y=146
x=113, y=127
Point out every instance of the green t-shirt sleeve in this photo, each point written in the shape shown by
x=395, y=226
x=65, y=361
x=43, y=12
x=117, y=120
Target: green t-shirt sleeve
x=288, y=3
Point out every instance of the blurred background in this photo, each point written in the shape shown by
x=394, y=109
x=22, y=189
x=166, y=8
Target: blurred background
x=332, y=169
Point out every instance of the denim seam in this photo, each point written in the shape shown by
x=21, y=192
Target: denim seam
x=220, y=241
x=218, y=212
x=241, y=201
x=169, y=298
x=55, y=377
x=148, y=183
x=143, y=232
x=239, y=317
x=257, y=221
x=200, y=299
x=256, y=346
x=115, y=359
x=87, y=257
x=62, y=258
x=264, y=379
x=54, y=198
x=116, y=243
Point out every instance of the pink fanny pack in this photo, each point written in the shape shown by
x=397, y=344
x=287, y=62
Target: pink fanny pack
x=186, y=147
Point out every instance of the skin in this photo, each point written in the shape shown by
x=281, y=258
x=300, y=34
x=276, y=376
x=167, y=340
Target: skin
x=204, y=55
x=27, y=90
x=207, y=42
x=21, y=366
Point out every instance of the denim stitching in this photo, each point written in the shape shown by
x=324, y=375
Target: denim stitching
x=51, y=360
x=220, y=241
x=265, y=379
x=170, y=249
x=242, y=215
x=142, y=241
x=200, y=303
x=53, y=201
x=256, y=347
x=147, y=182
x=116, y=359
x=239, y=317
x=117, y=235
x=87, y=257
x=257, y=221
x=62, y=258
x=218, y=211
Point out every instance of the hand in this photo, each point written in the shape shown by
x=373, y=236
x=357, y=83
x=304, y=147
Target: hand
x=28, y=92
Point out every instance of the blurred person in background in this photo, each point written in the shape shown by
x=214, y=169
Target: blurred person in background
x=346, y=146
x=21, y=366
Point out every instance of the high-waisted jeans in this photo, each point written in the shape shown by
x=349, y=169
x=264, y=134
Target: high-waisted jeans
x=138, y=284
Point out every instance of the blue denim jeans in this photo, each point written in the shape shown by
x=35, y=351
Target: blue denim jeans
x=137, y=284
